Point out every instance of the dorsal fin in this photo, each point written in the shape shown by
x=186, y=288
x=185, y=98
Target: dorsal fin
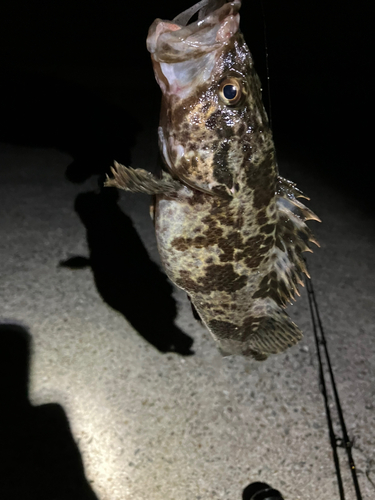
x=292, y=238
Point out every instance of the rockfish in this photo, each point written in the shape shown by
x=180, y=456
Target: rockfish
x=230, y=231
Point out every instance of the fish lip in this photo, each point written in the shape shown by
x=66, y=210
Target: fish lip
x=168, y=41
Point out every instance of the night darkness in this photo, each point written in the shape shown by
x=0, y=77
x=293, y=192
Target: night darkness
x=60, y=61
x=76, y=77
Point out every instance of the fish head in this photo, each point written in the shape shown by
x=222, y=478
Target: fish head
x=212, y=112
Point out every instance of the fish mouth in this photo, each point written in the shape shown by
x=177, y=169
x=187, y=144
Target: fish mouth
x=177, y=41
x=184, y=53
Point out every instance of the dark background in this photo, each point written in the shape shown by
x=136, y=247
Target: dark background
x=76, y=75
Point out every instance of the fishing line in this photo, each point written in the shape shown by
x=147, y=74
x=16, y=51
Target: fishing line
x=321, y=345
x=267, y=65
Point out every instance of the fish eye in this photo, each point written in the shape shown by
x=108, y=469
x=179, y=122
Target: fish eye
x=230, y=91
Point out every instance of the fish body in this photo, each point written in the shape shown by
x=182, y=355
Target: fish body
x=230, y=230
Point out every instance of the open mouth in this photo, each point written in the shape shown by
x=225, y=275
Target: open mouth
x=176, y=41
x=184, y=54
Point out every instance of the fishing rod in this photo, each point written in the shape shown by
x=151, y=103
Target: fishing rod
x=321, y=345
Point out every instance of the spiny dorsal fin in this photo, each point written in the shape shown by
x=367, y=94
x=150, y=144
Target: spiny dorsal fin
x=292, y=238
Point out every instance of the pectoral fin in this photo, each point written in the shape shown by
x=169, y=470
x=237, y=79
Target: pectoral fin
x=141, y=181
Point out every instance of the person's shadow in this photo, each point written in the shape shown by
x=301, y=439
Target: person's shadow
x=39, y=458
x=125, y=276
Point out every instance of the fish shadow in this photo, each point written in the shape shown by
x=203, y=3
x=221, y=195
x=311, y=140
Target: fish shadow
x=124, y=274
x=40, y=457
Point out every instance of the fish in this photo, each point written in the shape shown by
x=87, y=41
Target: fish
x=230, y=230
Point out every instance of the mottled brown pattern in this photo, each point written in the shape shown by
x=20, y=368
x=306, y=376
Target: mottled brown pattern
x=232, y=232
x=261, y=217
x=224, y=328
x=220, y=165
x=263, y=177
x=221, y=278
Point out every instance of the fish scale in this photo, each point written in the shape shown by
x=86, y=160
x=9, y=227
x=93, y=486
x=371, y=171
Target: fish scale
x=230, y=231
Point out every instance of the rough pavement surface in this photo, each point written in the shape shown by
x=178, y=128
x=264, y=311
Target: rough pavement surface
x=153, y=424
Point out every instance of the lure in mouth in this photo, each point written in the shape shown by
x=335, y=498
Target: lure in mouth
x=184, y=54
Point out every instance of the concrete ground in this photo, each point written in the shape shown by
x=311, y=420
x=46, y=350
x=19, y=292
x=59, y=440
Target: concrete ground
x=126, y=404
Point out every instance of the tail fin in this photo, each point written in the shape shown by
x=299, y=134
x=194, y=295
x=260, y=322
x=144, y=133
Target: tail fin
x=275, y=333
x=261, y=336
